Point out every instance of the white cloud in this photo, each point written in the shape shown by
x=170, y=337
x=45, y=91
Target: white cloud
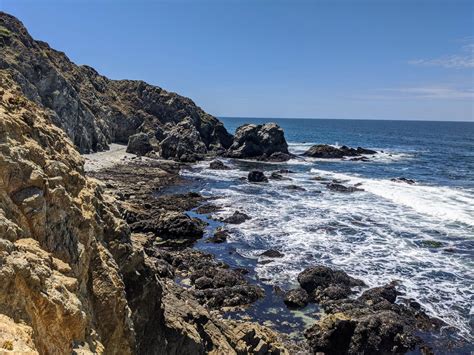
x=465, y=59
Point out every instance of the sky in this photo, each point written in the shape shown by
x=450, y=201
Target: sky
x=364, y=59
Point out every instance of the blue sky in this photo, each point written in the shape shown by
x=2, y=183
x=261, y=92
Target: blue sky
x=374, y=59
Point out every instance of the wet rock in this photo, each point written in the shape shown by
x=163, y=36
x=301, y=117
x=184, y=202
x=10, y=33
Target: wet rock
x=404, y=180
x=203, y=282
x=260, y=142
x=322, y=277
x=139, y=144
x=342, y=188
x=276, y=157
x=272, y=253
x=218, y=165
x=378, y=294
x=329, y=152
x=237, y=218
x=431, y=243
x=207, y=208
x=257, y=176
x=359, y=159
x=332, y=292
x=285, y=171
x=220, y=236
x=295, y=188
x=296, y=298
x=277, y=176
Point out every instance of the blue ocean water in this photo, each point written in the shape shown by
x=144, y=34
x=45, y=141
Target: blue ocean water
x=421, y=235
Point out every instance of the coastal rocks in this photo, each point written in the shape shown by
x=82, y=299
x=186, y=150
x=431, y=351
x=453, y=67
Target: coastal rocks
x=276, y=175
x=296, y=298
x=272, y=253
x=139, y=144
x=329, y=152
x=220, y=236
x=95, y=111
x=341, y=188
x=257, y=176
x=236, y=218
x=403, y=180
x=263, y=142
x=218, y=165
x=322, y=277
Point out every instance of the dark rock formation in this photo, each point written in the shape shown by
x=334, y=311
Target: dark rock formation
x=296, y=298
x=139, y=144
x=272, y=253
x=329, y=152
x=236, y=218
x=341, y=188
x=321, y=277
x=220, y=236
x=295, y=188
x=94, y=110
x=218, y=165
x=404, y=180
x=257, y=176
x=264, y=142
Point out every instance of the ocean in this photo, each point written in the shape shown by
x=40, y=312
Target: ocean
x=421, y=235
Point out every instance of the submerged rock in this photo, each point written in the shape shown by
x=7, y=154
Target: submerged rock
x=257, y=176
x=341, y=188
x=263, y=142
x=404, y=180
x=272, y=253
x=218, y=165
x=220, y=236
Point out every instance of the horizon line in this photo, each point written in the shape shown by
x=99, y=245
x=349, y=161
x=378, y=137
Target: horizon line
x=348, y=119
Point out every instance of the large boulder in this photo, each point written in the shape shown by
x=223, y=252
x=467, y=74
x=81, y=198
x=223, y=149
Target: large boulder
x=139, y=144
x=321, y=277
x=257, y=176
x=264, y=142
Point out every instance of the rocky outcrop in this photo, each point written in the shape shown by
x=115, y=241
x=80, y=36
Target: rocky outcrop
x=95, y=111
x=329, y=152
x=263, y=142
x=257, y=176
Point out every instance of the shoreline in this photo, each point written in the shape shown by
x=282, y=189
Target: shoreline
x=173, y=189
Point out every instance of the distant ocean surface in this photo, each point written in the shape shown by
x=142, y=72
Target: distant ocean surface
x=421, y=234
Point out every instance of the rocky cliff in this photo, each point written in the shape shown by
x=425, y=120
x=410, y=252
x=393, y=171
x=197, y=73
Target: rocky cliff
x=95, y=111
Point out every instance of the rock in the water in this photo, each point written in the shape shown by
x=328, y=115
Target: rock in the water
x=272, y=253
x=220, y=236
x=139, y=144
x=257, y=176
x=236, y=218
x=296, y=298
x=404, y=180
x=259, y=142
x=218, y=165
x=295, y=188
x=341, y=188
x=322, y=277
x=329, y=152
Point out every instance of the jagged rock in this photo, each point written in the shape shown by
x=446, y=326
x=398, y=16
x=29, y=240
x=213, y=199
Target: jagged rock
x=404, y=180
x=341, y=188
x=259, y=142
x=218, y=165
x=236, y=218
x=296, y=298
x=329, y=152
x=220, y=236
x=272, y=253
x=322, y=277
x=257, y=176
x=94, y=110
x=139, y=144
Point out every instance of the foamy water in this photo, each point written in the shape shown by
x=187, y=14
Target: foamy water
x=384, y=233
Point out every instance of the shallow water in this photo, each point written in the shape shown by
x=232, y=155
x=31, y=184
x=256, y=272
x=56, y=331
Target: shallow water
x=421, y=235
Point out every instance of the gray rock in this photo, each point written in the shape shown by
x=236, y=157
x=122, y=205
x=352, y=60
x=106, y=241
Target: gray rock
x=139, y=144
x=296, y=298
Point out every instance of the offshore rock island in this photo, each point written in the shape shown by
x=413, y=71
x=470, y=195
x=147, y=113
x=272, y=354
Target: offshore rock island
x=97, y=251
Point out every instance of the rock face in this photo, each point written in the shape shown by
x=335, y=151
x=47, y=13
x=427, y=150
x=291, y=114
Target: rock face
x=74, y=279
x=264, y=142
x=330, y=152
x=95, y=111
